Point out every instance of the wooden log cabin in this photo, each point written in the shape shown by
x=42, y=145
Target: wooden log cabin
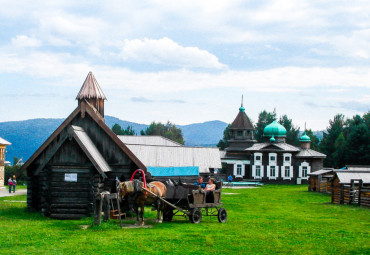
x=320, y=181
x=351, y=187
x=84, y=156
x=80, y=159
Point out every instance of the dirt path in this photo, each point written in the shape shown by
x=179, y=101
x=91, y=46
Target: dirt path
x=5, y=192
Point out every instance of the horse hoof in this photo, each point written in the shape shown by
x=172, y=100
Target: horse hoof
x=142, y=223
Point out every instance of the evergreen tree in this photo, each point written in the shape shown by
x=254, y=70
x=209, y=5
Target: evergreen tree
x=222, y=144
x=332, y=133
x=169, y=131
x=264, y=118
x=118, y=130
x=339, y=154
x=292, y=132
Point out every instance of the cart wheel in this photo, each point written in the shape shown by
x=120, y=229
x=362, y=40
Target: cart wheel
x=195, y=216
x=222, y=215
x=168, y=215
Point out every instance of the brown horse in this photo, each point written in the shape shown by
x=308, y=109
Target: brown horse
x=142, y=197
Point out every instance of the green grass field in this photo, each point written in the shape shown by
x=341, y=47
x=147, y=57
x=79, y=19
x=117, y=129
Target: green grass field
x=268, y=220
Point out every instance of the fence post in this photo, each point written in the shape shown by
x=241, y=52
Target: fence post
x=360, y=183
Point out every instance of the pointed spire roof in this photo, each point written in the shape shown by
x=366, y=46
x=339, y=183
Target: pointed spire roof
x=242, y=121
x=90, y=89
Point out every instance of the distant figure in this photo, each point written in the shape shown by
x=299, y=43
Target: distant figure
x=200, y=182
x=211, y=185
x=10, y=184
x=230, y=179
x=14, y=183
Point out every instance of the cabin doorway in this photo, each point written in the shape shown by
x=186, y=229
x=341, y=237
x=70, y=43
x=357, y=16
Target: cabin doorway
x=248, y=171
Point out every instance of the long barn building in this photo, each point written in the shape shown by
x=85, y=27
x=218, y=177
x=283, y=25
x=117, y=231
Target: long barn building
x=84, y=156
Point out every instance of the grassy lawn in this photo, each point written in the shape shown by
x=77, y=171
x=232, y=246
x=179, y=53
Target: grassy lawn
x=268, y=220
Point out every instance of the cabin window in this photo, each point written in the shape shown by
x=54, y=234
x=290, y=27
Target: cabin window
x=287, y=171
x=272, y=158
x=239, y=170
x=258, y=171
x=239, y=133
x=272, y=171
x=287, y=158
x=304, y=171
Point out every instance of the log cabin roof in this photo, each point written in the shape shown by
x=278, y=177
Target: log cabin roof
x=90, y=89
x=4, y=142
x=90, y=149
x=85, y=108
x=308, y=153
x=321, y=172
x=242, y=122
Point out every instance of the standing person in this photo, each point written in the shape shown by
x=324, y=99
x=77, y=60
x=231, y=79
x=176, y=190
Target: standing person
x=14, y=183
x=230, y=179
x=10, y=184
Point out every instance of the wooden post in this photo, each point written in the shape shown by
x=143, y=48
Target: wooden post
x=119, y=210
x=341, y=194
x=351, y=192
x=107, y=208
x=360, y=183
x=98, y=210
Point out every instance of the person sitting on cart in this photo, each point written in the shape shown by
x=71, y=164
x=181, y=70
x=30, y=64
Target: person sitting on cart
x=200, y=182
x=211, y=185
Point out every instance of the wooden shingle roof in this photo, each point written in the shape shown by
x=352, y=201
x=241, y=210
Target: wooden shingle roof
x=90, y=89
x=241, y=122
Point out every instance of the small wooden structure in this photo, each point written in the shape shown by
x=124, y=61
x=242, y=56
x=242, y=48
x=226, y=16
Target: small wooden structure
x=320, y=181
x=351, y=187
x=3, y=144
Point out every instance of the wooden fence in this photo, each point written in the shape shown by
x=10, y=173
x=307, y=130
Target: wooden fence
x=355, y=193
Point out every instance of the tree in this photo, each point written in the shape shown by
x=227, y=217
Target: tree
x=314, y=140
x=223, y=143
x=264, y=118
x=118, y=130
x=291, y=131
x=169, y=131
x=332, y=133
x=15, y=170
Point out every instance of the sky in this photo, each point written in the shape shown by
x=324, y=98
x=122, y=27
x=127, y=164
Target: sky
x=187, y=61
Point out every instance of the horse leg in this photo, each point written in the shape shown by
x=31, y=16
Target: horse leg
x=136, y=207
x=159, y=211
x=142, y=214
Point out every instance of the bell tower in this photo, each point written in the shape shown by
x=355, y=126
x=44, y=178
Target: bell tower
x=92, y=93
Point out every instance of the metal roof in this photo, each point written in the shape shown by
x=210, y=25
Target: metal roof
x=177, y=156
x=308, y=153
x=358, y=168
x=91, y=89
x=346, y=176
x=4, y=142
x=279, y=146
x=147, y=140
x=90, y=149
x=321, y=172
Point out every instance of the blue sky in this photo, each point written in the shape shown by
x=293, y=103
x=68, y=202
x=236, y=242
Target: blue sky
x=187, y=61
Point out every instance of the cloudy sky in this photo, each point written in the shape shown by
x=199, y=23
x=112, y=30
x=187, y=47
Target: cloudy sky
x=187, y=61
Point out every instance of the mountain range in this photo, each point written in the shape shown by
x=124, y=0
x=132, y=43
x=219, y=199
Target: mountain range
x=27, y=136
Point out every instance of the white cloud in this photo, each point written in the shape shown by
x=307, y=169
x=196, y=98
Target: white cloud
x=25, y=41
x=167, y=52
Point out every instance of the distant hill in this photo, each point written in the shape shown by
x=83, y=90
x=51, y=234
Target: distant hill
x=28, y=135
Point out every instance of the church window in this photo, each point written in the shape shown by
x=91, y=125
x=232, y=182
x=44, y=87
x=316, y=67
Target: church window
x=287, y=171
x=258, y=171
x=287, y=159
x=304, y=171
x=239, y=170
x=272, y=171
x=258, y=157
x=272, y=158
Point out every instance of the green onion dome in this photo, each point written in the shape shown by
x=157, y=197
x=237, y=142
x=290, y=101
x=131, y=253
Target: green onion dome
x=274, y=129
x=242, y=109
x=305, y=138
